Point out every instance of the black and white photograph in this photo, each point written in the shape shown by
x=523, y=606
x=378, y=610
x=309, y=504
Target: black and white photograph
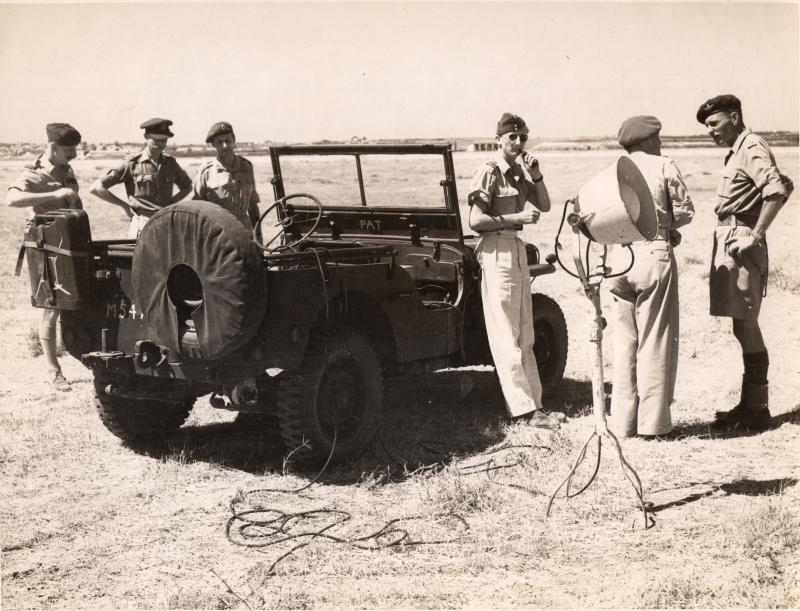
x=399, y=305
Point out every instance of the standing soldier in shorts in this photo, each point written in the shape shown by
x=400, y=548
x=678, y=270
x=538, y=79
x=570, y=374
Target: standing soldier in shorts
x=751, y=193
x=506, y=193
x=46, y=185
x=148, y=176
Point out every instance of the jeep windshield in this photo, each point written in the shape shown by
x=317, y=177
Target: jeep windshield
x=384, y=190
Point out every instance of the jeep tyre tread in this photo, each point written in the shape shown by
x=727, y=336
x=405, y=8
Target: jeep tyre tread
x=551, y=341
x=338, y=392
x=133, y=420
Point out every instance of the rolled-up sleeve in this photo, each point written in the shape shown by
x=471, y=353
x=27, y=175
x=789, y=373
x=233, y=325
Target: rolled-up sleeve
x=481, y=188
x=114, y=176
x=25, y=181
x=682, y=206
x=760, y=167
x=199, y=185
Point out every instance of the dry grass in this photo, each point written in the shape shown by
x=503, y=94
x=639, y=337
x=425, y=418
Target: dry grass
x=89, y=523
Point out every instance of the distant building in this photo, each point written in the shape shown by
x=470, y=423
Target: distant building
x=482, y=145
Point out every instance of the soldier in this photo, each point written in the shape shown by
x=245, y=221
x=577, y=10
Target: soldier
x=646, y=314
x=148, y=175
x=228, y=180
x=750, y=194
x=45, y=185
x=504, y=195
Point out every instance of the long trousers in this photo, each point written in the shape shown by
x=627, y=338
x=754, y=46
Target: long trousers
x=646, y=332
x=508, y=312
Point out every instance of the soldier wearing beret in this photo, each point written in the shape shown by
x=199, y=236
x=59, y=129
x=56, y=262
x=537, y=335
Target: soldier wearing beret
x=148, y=176
x=645, y=308
x=751, y=193
x=46, y=185
x=228, y=180
x=506, y=193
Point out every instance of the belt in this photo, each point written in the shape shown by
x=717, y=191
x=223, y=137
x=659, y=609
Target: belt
x=737, y=221
x=512, y=233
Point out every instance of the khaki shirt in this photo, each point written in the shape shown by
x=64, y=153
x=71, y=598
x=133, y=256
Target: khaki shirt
x=674, y=207
x=148, y=180
x=234, y=189
x=750, y=175
x=500, y=188
x=43, y=177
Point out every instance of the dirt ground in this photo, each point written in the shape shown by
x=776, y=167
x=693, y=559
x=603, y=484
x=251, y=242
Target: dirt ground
x=87, y=522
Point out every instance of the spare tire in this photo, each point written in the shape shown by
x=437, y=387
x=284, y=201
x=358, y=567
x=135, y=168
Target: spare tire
x=196, y=267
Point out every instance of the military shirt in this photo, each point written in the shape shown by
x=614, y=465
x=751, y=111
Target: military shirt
x=148, y=180
x=234, y=189
x=750, y=175
x=500, y=188
x=43, y=177
x=674, y=207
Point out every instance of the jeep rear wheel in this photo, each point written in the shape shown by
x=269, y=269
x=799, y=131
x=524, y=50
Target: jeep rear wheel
x=137, y=419
x=333, y=405
x=550, y=341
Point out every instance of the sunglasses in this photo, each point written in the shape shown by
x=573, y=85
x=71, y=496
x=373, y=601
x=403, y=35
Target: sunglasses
x=513, y=137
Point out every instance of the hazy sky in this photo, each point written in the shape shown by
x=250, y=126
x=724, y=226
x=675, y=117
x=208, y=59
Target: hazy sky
x=308, y=71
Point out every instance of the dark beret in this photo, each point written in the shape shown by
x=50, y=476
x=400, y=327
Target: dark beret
x=63, y=134
x=638, y=128
x=718, y=104
x=157, y=127
x=511, y=123
x=219, y=128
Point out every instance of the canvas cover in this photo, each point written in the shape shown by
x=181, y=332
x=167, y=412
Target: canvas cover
x=214, y=243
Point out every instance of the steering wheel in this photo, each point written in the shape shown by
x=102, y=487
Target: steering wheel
x=288, y=221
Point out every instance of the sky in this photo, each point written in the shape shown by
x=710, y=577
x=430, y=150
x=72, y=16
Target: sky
x=333, y=70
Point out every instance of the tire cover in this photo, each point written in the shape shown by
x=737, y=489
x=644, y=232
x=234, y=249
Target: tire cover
x=218, y=247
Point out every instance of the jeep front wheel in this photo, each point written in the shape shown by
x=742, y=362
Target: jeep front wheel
x=138, y=419
x=550, y=341
x=333, y=405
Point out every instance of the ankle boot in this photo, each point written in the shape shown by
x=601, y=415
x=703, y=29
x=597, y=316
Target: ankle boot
x=735, y=414
x=756, y=415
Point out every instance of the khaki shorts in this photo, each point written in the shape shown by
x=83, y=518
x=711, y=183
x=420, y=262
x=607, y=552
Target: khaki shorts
x=736, y=284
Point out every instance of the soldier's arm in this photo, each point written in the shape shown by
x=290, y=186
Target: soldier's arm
x=479, y=200
x=100, y=188
x=535, y=189
x=762, y=171
x=183, y=182
x=24, y=199
x=682, y=206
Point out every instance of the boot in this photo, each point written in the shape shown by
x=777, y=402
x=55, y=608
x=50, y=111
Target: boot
x=738, y=411
x=756, y=416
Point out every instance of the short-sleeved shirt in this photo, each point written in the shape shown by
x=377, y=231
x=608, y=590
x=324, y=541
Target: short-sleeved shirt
x=674, y=207
x=148, y=180
x=500, y=188
x=750, y=175
x=43, y=177
x=234, y=189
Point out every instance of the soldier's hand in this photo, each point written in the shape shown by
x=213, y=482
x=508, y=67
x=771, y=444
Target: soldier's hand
x=68, y=196
x=675, y=237
x=532, y=164
x=528, y=215
x=736, y=246
x=139, y=204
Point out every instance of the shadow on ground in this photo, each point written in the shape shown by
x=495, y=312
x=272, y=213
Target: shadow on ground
x=428, y=422
x=711, y=430
x=744, y=487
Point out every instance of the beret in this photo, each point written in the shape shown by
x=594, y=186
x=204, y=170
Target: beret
x=718, y=104
x=635, y=129
x=63, y=134
x=219, y=128
x=511, y=123
x=157, y=127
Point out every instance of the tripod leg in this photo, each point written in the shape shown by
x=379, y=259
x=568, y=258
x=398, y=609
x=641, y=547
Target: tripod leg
x=581, y=456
